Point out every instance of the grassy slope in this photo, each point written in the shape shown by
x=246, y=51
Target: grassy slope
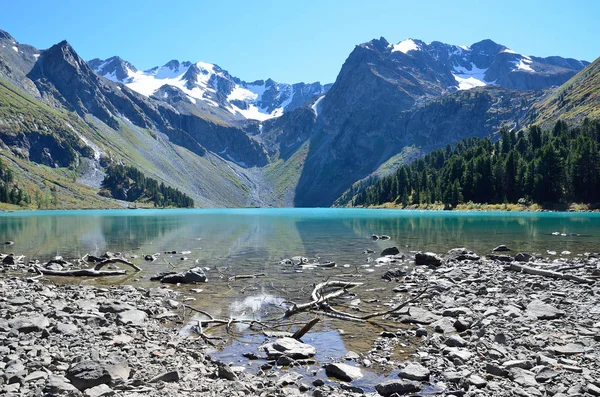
x=573, y=101
x=283, y=175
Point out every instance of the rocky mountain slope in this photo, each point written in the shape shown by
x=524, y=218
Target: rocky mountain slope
x=227, y=142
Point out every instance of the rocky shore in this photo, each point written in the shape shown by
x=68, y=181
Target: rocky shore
x=480, y=329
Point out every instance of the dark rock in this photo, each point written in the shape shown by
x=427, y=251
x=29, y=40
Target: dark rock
x=344, y=372
x=501, y=258
x=318, y=382
x=114, y=307
x=523, y=257
x=192, y=276
x=495, y=370
x=421, y=332
x=393, y=274
x=9, y=242
x=427, y=259
x=8, y=260
x=397, y=386
x=161, y=275
x=461, y=254
x=455, y=341
x=546, y=374
x=149, y=257
x=86, y=374
x=285, y=361
x=170, y=376
x=390, y=251
x=501, y=248
x=384, y=237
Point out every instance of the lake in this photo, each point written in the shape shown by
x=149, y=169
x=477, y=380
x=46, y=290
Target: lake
x=248, y=241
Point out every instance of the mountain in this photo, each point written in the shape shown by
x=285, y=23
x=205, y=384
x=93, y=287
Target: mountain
x=388, y=97
x=575, y=100
x=205, y=84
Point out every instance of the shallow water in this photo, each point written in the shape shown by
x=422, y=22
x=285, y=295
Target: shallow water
x=249, y=241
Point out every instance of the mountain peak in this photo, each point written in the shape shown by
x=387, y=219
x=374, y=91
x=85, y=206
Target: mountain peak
x=6, y=36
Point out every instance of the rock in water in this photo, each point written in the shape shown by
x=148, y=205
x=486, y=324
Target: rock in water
x=289, y=347
x=523, y=257
x=344, y=372
x=390, y=251
x=543, y=311
x=397, y=386
x=501, y=248
x=427, y=259
x=192, y=276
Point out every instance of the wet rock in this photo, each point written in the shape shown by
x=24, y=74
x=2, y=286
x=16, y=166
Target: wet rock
x=397, y=386
x=393, y=274
x=390, y=251
x=289, y=347
x=192, y=276
x=87, y=374
x=414, y=371
x=543, y=311
x=461, y=254
x=501, y=248
x=427, y=259
x=345, y=372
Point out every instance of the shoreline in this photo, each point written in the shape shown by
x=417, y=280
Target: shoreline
x=482, y=329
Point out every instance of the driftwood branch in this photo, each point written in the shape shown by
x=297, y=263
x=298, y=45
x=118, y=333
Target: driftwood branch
x=105, y=262
x=245, y=276
x=318, y=299
x=79, y=272
x=548, y=273
x=302, y=331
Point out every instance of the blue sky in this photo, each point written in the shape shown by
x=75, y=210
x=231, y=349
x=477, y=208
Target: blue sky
x=291, y=41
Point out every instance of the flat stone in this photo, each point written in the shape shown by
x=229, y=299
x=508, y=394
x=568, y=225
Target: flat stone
x=455, y=341
x=546, y=374
x=477, y=381
x=170, y=376
x=523, y=377
x=289, y=347
x=58, y=385
x=67, y=329
x=19, y=301
x=444, y=325
x=543, y=311
x=501, y=248
x=98, y=391
x=36, y=375
x=29, y=324
x=133, y=317
x=192, y=276
x=593, y=389
x=397, y=386
x=416, y=315
x=457, y=311
x=414, y=371
x=226, y=372
x=455, y=352
x=496, y=370
x=525, y=364
x=568, y=349
x=114, y=307
x=345, y=372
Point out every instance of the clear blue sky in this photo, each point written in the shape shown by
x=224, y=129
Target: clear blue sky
x=295, y=40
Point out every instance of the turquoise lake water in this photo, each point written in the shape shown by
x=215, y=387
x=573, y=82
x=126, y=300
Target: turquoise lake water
x=248, y=241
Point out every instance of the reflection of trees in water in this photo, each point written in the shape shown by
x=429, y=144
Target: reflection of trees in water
x=131, y=232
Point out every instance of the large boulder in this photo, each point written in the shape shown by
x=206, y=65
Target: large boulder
x=390, y=251
x=543, y=311
x=29, y=324
x=86, y=374
x=399, y=386
x=192, y=276
x=414, y=371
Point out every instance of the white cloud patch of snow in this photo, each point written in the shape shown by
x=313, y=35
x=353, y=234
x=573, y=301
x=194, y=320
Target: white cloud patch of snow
x=405, y=46
x=468, y=79
x=524, y=64
x=15, y=49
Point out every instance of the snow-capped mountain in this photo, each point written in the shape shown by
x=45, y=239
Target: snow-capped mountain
x=487, y=62
x=204, y=84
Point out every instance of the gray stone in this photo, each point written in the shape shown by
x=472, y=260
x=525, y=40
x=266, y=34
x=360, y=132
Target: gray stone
x=36, y=375
x=192, y=276
x=568, y=349
x=345, y=372
x=414, y=371
x=19, y=301
x=455, y=352
x=397, y=386
x=289, y=347
x=444, y=325
x=133, y=317
x=98, y=391
x=525, y=364
x=86, y=374
x=494, y=369
x=545, y=374
x=416, y=315
x=543, y=311
x=29, y=324
x=593, y=389
x=59, y=385
x=170, y=376
x=523, y=257
x=523, y=377
x=455, y=341
x=477, y=381
x=67, y=329
x=457, y=311
x=114, y=307
x=461, y=254
x=427, y=259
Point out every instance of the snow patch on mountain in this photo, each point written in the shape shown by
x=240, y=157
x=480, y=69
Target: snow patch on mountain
x=316, y=106
x=469, y=78
x=405, y=46
x=524, y=64
x=15, y=49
